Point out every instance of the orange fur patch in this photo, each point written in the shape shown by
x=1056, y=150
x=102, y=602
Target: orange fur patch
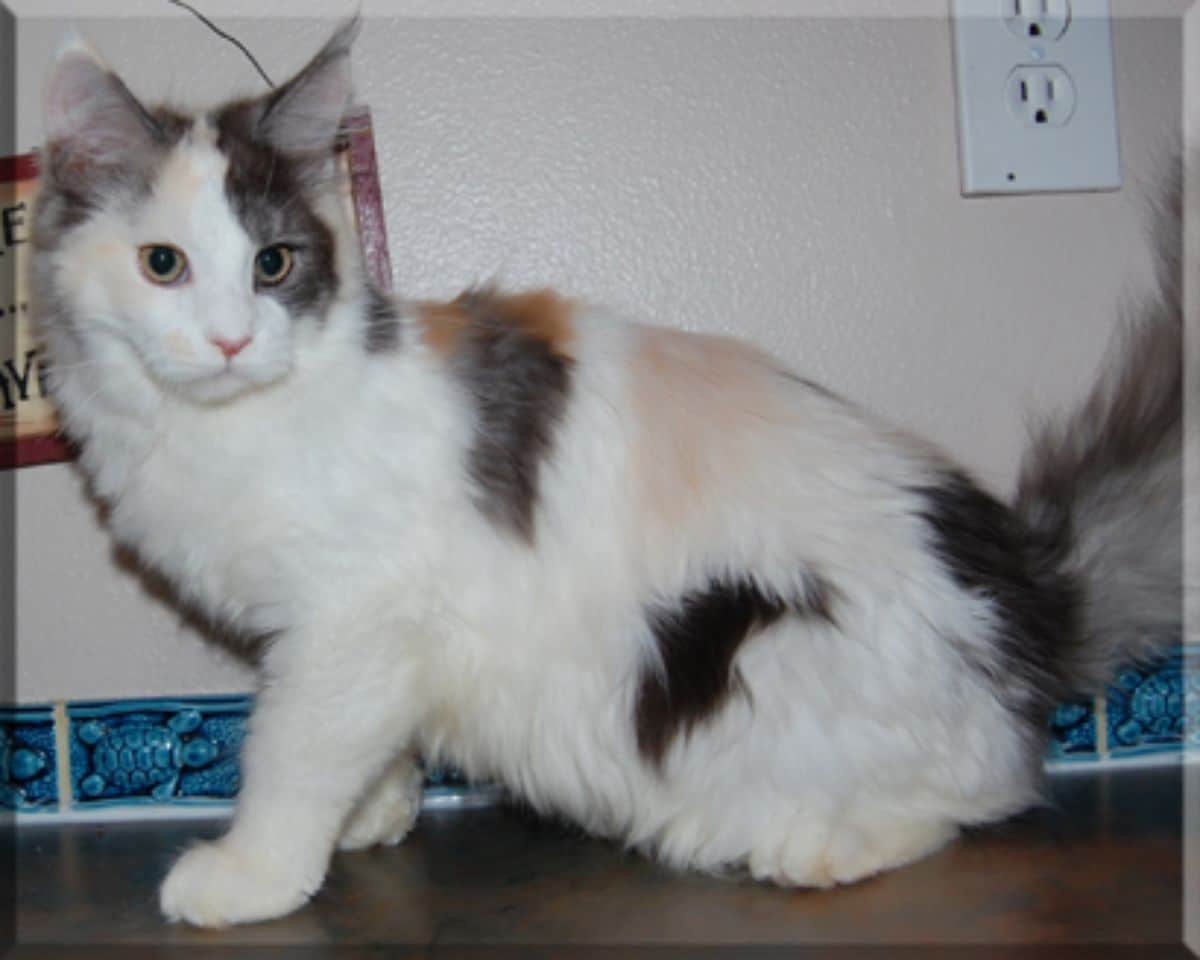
x=442, y=326
x=700, y=401
x=542, y=315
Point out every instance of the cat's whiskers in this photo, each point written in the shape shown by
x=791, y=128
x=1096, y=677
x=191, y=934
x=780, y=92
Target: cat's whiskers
x=99, y=385
x=52, y=367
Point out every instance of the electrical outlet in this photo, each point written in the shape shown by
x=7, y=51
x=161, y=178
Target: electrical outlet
x=1036, y=96
x=1037, y=19
x=1040, y=95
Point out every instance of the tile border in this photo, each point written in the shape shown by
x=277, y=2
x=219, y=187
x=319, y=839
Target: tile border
x=1075, y=732
x=136, y=739
x=1147, y=709
x=178, y=751
x=30, y=757
x=162, y=756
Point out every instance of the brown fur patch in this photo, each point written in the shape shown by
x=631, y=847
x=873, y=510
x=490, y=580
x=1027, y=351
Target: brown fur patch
x=698, y=638
x=442, y=326
x=541, y=315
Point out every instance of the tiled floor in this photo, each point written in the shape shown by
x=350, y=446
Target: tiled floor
x=1097, y=874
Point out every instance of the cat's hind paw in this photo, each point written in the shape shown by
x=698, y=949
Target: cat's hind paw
x=855, y=854
x=386, y=814
x=216, y=884
x=814, y=853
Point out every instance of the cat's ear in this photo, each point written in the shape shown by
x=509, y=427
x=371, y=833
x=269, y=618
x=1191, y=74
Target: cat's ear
x=91, y=120
x=303, y=116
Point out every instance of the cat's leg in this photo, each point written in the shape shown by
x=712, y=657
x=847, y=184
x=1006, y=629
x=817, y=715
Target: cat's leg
x=327, y=722
x=387, y=811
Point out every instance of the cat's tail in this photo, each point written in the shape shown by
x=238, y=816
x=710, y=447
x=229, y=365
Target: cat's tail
x=1102, y=491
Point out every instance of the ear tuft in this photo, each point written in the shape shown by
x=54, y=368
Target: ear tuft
x=73, y=79
x=303, y=115
x=88, y=112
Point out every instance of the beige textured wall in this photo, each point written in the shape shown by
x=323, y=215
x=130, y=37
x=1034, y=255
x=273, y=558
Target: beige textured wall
x=793, y=181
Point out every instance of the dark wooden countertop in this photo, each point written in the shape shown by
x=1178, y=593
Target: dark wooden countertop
x=1096, y=874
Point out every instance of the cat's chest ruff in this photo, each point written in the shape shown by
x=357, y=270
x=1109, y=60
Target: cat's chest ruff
x=215, y=505
x=274, y=501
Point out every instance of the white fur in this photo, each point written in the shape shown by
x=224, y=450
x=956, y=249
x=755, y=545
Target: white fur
x=318, y=492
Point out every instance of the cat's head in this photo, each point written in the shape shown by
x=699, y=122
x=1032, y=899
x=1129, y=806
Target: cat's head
x=200, y=247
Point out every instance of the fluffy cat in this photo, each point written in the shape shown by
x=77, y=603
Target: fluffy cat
x=648, y=580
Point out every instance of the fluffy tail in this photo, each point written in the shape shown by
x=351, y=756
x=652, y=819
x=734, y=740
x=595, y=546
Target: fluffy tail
x=1102, y=492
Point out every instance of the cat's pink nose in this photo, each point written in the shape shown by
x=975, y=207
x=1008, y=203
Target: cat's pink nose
x=231, y=348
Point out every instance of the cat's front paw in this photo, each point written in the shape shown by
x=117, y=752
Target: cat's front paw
x=218, y=884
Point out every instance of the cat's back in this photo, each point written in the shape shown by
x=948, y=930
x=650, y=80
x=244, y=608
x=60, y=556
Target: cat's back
x=653, y=457
x=711, y=445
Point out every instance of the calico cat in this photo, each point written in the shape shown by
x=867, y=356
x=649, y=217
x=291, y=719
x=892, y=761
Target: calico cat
x=650, y=581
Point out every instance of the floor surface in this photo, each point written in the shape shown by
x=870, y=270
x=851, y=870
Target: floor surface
x=1096, y=874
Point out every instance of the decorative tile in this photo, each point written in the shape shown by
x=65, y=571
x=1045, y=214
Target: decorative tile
x=156, y=751
x=1146, y=707
x=185, y=751
x=1191, y=706
x=1073, y=732
x=445, y=783
x=181, y=751
x=28, y=759
x=447, y=787
x=445, y=777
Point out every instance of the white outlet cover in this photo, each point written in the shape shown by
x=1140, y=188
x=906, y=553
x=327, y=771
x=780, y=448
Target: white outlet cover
x=998, y=152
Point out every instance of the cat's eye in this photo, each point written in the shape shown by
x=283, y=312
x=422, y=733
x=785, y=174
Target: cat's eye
x=272, y=264
x=161, y=263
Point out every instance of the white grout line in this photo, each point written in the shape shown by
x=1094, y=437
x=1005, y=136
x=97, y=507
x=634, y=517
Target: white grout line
x=62, y=752
x=474, y=798
x=123, y=813
x=1100, y=712
x=1173, y=758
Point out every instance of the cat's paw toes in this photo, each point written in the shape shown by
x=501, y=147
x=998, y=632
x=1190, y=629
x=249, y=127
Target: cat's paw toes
x=798, y=859
x=387, y=814
x=855, y=854
x=367, y=832
x=817, y=853
x=215, y=885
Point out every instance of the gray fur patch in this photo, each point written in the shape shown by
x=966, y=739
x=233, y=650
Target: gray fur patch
x=1105, y=487
x=73, y=189
x=381, y=332
x=75, y=185
x=269, y=192
x=519, y=386
x=990, y=553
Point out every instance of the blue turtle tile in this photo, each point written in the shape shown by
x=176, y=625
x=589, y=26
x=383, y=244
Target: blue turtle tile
x=1073, y=732
x=176, y=751
x=28, y=759
x=1147, y=707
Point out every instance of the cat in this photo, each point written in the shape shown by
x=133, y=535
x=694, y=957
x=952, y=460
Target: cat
x=650, y=581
